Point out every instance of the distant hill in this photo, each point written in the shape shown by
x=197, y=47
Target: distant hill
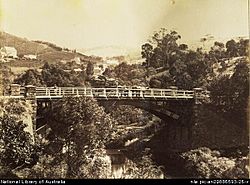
x=107, y=51
x=130, y=55
x=111, y=51
x=23, y=45
x=44, y=50
x=206, y=44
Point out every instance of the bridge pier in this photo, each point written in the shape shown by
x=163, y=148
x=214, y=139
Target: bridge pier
x=194, y=130
x=15, y=90
x=205, y=128
x=186, y=134
x=30, y=96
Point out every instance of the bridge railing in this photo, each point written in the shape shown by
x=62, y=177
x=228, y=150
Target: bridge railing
x=118, y=92
x=112, y=92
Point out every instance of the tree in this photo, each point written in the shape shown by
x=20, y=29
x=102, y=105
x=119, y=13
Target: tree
x=181, y=67
x=147, y=52
x=16, y=145
x=206, y=163
x=54, y=74
x=108, y=72
x=155, y=83
x=48, y=166
x=217, y=52
x=30, y=77
x=183, y=47
x=127, y=74
x=90, y=70
x=240, y=81
x=232, y=48
x=165, y=48
x=84, y=128
x=143, y=168
x=198, y=67
x=243, y=45
x=6, y=78
x=231, y=94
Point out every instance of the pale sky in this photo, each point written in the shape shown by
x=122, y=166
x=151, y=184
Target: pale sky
x=130, y=23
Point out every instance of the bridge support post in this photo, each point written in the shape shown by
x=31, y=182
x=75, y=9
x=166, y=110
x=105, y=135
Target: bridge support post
x=193, y=129
x=30, y=92
x=15, y=90
x=30, y=96
x=198, y=95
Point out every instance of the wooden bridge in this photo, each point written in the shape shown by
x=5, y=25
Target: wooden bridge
x=107, y=93
x=188, y=121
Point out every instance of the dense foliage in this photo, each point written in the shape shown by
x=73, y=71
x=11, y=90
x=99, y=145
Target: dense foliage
x=127, y=75
x=6, y=78
x=144, y=168
x=205, y=163
x=82, y=128
x=183, y=67
x=179, y=66
x=51, y=75
x=230, y=94
x=223, y=70
x=17, y=146
x=30, y=77
x=90, y=70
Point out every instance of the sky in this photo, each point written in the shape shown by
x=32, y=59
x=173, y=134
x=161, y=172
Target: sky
x=128, y=23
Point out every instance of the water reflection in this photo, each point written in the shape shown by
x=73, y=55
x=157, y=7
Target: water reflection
x=118, y=163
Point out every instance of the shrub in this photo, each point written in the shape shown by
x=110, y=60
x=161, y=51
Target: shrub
x=205, y=163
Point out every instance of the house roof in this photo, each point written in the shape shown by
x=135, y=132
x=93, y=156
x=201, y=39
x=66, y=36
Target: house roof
x=7, y=48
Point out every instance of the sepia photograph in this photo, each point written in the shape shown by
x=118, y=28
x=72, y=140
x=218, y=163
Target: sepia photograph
x=124, y=89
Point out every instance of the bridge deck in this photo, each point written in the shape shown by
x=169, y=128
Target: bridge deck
x=114, y=93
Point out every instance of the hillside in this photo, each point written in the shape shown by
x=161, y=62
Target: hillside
x=227, y=66
x=23, y=45
x=130, y=55
x=44, y=51
x=207, y=43
x=110, y=51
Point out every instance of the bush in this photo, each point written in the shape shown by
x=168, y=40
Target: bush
x=205, y=163
x=16, y=144
x=143, y=168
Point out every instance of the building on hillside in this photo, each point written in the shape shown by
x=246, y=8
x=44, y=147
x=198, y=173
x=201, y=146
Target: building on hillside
x=31, y=57
x=112, y=62
x=98, y=70
x=63, y=61
x=78, y=70
x=137, y=61
x=77, y=60
x=8, y=52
